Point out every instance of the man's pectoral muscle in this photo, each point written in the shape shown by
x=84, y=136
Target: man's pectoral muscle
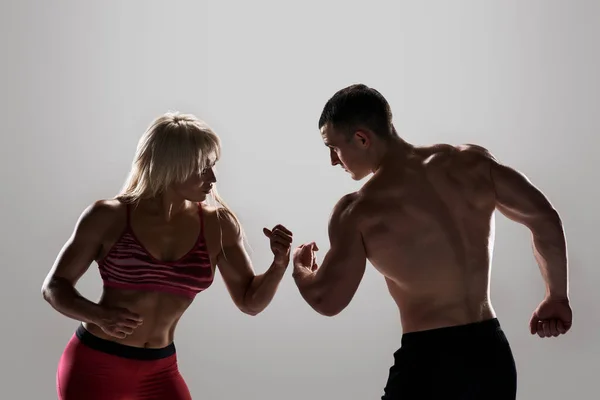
x=330, y=288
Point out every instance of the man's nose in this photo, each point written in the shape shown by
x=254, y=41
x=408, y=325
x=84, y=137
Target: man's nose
x=334, y=158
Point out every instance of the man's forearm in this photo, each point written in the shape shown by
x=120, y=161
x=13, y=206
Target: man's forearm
x=263, y=287
x=305, y=281
x=311, y=290
x=550, y=249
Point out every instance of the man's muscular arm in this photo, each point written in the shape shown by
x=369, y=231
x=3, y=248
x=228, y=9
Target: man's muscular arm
x=328, y=289
x=519, y=200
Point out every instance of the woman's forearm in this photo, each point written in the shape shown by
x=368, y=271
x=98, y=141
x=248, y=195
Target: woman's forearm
x=263, y=287
x=65, y=299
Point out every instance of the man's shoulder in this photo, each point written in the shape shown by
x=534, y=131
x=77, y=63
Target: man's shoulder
x=448, y=151
x=464, y=156
x=349, y=200
x=475, y=151
x=351, y=207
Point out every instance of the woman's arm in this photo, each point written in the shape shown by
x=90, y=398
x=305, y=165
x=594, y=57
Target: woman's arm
x=73, y=261
x=251, y=293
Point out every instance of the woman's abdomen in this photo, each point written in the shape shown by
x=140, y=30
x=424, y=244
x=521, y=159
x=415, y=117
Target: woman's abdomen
x=160, y=313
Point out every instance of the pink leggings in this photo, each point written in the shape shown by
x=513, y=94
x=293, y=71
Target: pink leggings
x=92, y=368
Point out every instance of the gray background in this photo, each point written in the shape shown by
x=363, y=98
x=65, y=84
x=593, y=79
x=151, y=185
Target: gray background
x=82, y=80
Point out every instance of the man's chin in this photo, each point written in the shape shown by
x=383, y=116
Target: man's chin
x=357, y=177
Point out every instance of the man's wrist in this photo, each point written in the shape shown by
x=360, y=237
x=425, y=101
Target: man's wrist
x=300, y=272
x=557, y=291
x=561, y=295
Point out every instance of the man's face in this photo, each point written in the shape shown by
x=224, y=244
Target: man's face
x=349, y=153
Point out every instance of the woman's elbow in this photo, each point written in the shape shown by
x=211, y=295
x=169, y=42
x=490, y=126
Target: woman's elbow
x=46, y=290
x=328, y=312
x=248, y=308
x=55, y=288
x=250, y=312
x=45, y=293
x=253, y=312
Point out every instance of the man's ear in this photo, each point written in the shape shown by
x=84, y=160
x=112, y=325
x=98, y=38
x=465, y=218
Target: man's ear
x=362, y=138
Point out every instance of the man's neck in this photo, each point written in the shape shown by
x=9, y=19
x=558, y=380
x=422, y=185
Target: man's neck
x=394, y=153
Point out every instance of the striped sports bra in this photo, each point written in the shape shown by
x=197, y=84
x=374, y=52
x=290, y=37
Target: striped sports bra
x=128, y=265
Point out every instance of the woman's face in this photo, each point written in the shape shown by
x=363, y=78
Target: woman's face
x=197, y=186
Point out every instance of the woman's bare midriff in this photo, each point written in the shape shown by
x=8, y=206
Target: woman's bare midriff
x=160, y=312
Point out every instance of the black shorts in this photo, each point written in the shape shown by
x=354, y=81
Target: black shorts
x=466, y=362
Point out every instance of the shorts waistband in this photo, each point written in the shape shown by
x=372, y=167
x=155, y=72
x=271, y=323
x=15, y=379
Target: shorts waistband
x=472, y=332
x=121, y=350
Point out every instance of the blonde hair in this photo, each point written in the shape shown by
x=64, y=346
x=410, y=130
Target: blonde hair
x=172, y=149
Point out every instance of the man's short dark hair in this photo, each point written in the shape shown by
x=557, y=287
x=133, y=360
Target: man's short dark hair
x=358, y=105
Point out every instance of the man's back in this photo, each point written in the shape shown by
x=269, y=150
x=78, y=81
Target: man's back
x=425, y=221
x=427, y=226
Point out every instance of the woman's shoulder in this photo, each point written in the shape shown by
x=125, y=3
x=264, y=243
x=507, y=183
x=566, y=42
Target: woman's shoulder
x=223, y=218
x=107, y=207
x=208, y=209
x=218, y=214
x=100, y=217
x=104, y=211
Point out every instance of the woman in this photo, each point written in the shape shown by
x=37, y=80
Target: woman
x=156, y=245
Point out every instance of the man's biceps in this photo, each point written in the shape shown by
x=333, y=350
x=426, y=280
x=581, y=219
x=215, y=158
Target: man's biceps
x=336, y=255
x=344, y=261
x=344, y=235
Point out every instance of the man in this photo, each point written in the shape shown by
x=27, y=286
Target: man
x=425, y=221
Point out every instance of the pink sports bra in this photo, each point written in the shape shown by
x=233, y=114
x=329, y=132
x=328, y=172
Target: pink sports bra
x=128, y=265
